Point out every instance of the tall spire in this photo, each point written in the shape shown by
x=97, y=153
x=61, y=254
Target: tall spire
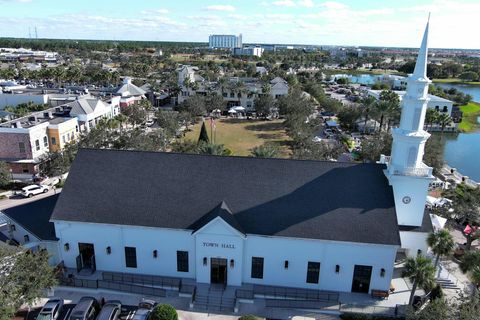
x=421, y=65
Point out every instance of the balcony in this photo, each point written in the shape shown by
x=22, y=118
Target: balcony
x=421, y=171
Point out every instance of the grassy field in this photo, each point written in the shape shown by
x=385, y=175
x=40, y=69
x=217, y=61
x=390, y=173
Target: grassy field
x=457, y=81
x=241, y=136
x=471, y=114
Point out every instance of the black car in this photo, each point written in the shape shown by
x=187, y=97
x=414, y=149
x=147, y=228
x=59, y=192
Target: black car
x=110, y=310
x=86, y=309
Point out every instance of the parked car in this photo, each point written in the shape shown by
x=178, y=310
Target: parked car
x=110, y=310
x=86, y=309
x=34, y=189
x=149, y=122
x=51, y=309
x=144, y=309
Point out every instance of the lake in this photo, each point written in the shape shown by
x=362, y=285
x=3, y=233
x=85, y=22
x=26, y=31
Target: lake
x=474, y=91
x=461, y=151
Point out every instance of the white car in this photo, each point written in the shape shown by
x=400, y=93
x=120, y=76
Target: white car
x=150, y=122
x=34, y=189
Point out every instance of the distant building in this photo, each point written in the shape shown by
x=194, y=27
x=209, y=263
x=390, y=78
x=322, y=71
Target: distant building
x=24, y=141
x=221, y=41
x=129, y=93
x=21, y=54
x=249, y=51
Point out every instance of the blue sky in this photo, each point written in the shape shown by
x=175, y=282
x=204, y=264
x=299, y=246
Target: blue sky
x=341, y=22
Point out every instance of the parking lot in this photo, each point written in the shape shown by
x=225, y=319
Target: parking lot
x=127, y=312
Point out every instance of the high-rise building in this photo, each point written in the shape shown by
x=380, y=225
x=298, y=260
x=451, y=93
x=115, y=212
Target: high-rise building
x=225, y=41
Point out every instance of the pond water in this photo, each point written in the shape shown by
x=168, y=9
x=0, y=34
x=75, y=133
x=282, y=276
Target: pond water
x=462, y=151
x=474, y=91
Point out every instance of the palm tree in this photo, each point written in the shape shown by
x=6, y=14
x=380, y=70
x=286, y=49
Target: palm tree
x=431, y=117
x=443, y=120
x=382, y=109
x=476, y=276
x=442, y=244
x=421, y=272
x=265, y=151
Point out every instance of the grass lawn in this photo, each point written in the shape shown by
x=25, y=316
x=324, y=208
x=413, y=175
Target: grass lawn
x=241, y=136
x=457, y=81
x=471, y=114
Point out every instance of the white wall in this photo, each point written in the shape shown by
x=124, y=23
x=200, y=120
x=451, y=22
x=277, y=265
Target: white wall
x=299, y=252
x=230, y=244
x=144, y=239
x=219, y=240
x=414, y=241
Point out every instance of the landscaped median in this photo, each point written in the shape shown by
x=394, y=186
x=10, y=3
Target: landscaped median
x=471, y=114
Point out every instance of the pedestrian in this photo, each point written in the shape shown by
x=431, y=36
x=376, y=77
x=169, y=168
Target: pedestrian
x=54, y=189
x=102, y=302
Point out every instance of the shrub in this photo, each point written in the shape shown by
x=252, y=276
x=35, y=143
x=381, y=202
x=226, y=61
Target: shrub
x=164, y=312
x=248, y=317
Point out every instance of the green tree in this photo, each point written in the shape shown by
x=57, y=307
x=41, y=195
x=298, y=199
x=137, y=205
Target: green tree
x=433, y=156
x=163, y=312
x=466, y=205
x=443, y=120
x=187, y=146
x=5, y=176
x=376, y=145
x=469, y=76
x=438, y=309
x=421, y=272
x=214, y=102
x=265, y=151
x=169, y=121
x=470, y=260
x=348, y=117
x=23, y=277
x=203, y=137
x=136, y=113
x=318, y=150
x=442, y=244
x=264, y=104
x=431, y=117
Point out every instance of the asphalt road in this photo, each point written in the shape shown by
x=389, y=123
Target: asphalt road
x=18, y=200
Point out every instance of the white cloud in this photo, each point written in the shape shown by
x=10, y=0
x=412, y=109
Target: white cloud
x=306, y=3
x=284, y=3
x=220, y=7
x=334, y=5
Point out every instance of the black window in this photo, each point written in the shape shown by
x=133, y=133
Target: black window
x=182, y=261
x=313, y=272
x=130, y=257
x=26, y=238
x=12, y=227
x=257, y=268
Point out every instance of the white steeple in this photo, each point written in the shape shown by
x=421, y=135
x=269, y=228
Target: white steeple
x=406, y=172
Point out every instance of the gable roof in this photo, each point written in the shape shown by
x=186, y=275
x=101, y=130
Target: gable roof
x=222, y=211
x=273, y=197
x=129, y=89
x=84, y=106
x=35, y=217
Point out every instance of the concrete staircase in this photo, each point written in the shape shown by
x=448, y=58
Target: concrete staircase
x=214, y=298
x=447, y=284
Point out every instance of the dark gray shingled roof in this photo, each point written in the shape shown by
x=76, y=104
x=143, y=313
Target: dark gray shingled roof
x=274, y=197
x=425, y=227
x=35, y=217
x=222, y=211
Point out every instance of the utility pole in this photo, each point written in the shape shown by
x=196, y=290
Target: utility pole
x=36, y=34
x=30, y=33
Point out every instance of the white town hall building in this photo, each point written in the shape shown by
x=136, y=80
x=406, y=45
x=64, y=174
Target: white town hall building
x=237, y=220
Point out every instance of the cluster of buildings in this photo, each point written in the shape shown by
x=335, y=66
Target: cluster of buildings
x=280, y=222
x=235, y=91
x=24, y=55
x=234, y=43
x=25, y=141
